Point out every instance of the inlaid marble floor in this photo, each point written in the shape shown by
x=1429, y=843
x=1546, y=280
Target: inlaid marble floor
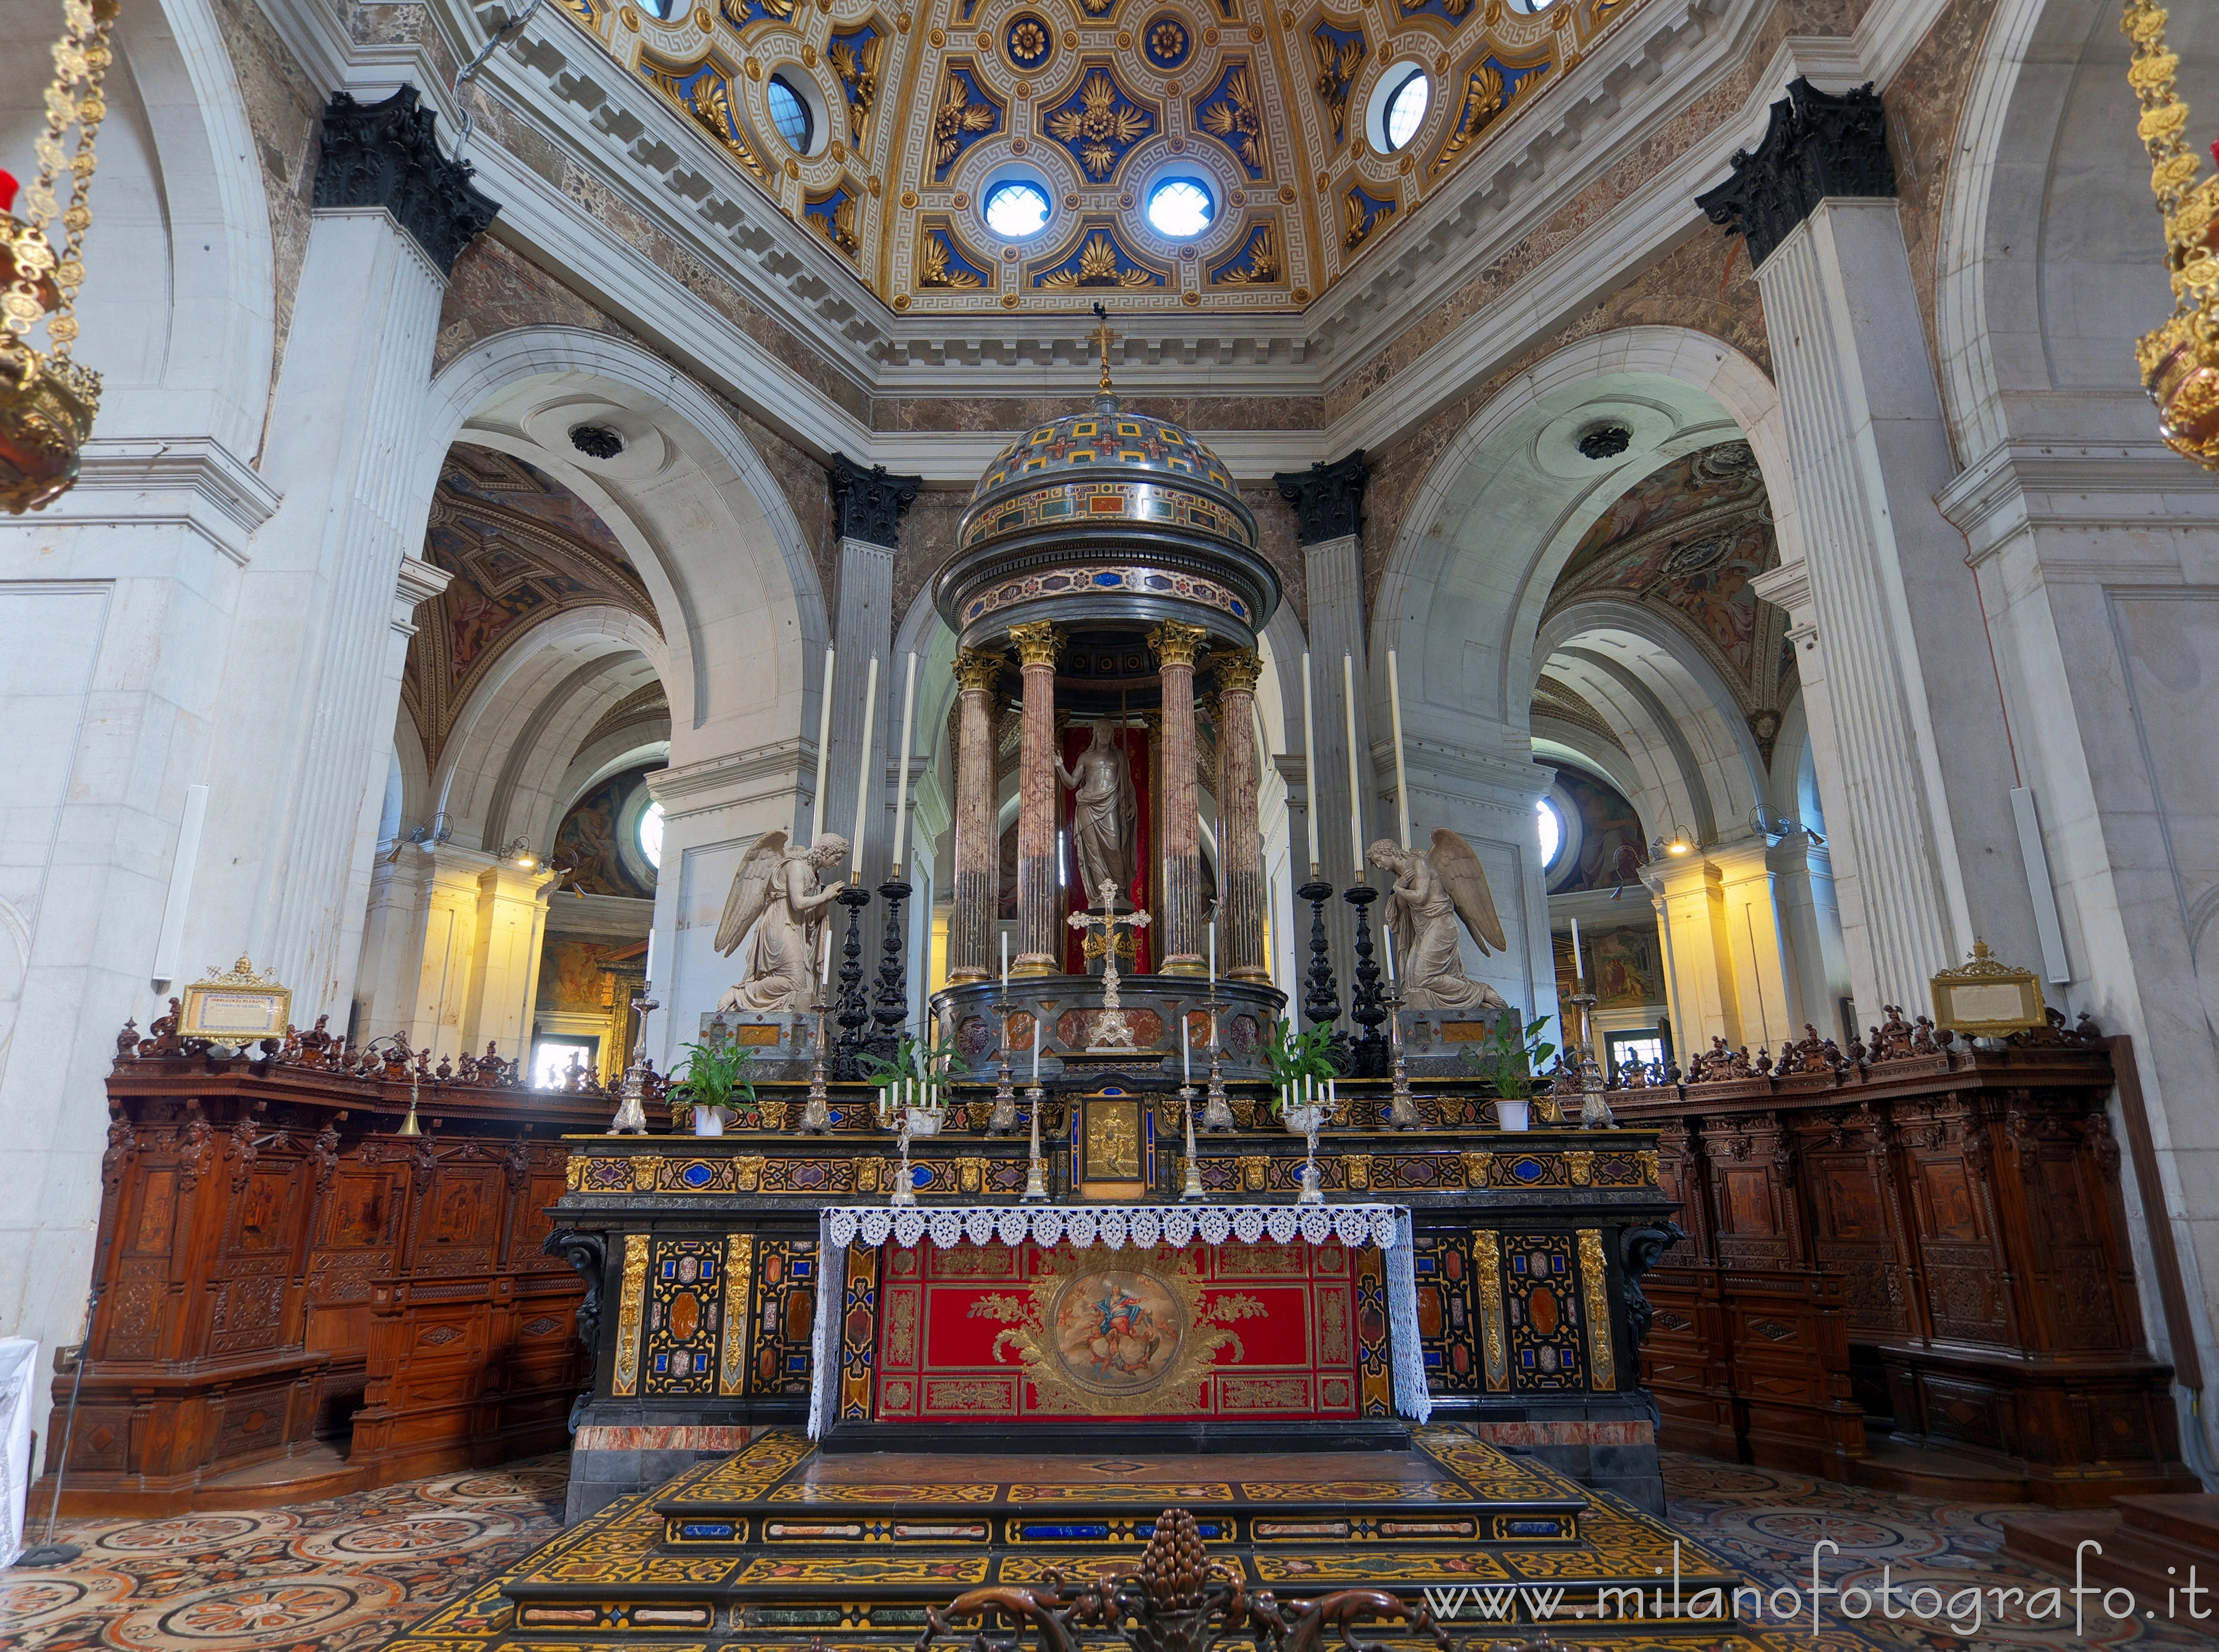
x=346, y=1575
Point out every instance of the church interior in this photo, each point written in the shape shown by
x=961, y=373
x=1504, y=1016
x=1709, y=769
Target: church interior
x=839, y=824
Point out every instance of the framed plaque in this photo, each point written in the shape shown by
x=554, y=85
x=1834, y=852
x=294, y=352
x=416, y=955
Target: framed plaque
x=236, y=1007
x=1985, y=997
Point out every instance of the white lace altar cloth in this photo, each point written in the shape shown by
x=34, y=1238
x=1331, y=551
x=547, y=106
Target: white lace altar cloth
x=1387, y=1227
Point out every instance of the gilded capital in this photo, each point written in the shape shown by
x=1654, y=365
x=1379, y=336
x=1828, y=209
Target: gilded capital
x=976, y=669
x=1176, y=644
x=1238, y=671
x=1037, y=643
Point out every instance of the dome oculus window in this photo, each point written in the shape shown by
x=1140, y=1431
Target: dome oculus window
x=790, y=113
x=650, y=834
x=1406, y=111
x=1180, y=207
x=1016, y=210
x=1552, y=826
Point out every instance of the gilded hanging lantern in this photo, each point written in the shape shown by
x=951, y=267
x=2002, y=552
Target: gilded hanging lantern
x=47, y=401
x=2179, y=361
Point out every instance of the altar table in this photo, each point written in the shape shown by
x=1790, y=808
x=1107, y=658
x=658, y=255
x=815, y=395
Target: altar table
x=1013, y=1312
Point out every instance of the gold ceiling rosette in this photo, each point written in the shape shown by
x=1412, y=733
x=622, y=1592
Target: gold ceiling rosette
x=47, y=400
x=2180, y=360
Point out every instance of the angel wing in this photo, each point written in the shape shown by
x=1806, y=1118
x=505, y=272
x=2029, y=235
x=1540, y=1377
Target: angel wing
x=1455, y=864
x=753, y=886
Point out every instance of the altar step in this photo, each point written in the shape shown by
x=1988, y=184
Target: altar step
x=784, y=1546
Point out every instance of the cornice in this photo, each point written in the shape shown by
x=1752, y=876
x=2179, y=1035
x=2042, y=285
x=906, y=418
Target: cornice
x=741, y=777
x=193, y=482
x=2094, y=485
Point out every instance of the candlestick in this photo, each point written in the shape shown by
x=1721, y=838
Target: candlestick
x=823, y=748
x=1402, y=780
x=1192, y=1189
x=1006, y=960
x=1036, y=1041
x=1036, y=1181
x=1309, y=767
x=1578, y=970
x=1355, y=787
x=1186, y=1053
x=901, y=773
x=1213, y=957
x=863, y=770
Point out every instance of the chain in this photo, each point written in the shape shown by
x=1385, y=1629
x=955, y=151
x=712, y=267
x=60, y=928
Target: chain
x=81, y=58
x=2173, y=166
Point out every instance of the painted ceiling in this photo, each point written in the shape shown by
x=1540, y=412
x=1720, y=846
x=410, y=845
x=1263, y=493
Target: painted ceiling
x=1684, y=542
x=1099, y=101
x=522, y=547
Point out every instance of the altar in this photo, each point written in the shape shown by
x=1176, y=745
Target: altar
x=1094, y=1319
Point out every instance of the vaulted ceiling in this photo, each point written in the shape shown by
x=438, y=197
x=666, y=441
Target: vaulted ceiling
x=1098, y=100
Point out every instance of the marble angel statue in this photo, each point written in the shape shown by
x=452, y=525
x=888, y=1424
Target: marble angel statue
x=1434, y=890
x=777, y=909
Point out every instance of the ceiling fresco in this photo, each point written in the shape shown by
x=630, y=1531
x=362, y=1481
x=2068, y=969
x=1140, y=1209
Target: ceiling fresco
x=918, y=112
x=522, y=547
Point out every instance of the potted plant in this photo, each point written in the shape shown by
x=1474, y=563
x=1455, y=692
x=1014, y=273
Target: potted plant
x=711, y=1076
x=1509, y=1056
x=1300, y=1062
x=912, y=1082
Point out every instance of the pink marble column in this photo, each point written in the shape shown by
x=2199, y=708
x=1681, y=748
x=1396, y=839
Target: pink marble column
x=1175, y=647
x=1039, y=930
x=971, y=926
x=1240, y=951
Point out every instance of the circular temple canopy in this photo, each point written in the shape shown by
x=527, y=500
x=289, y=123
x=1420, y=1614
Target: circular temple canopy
x=1108, y=514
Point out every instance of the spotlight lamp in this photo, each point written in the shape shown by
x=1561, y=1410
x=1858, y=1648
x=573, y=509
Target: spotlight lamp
x=518, y=851
x=1676, y=843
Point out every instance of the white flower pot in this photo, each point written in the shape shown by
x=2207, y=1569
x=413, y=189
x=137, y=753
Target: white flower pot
x=924, y=1122
x=1514, y=1115
x=708, y=1121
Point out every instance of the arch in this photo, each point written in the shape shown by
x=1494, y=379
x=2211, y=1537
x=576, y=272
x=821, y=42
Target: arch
x=698, y=508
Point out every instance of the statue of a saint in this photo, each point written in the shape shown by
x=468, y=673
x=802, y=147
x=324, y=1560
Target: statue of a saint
x=1432, y=892
x=776, y=907
x=1104, y=813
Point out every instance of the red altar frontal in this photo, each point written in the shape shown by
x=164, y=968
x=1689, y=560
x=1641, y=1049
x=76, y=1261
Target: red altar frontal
x=978, y=1333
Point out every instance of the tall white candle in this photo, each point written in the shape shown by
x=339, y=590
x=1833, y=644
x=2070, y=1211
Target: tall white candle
x=823, y=748
x=901, y=771
x=1355, y=787
x=1578, y=969
x=1036, y=1035
x=1006, y=960
x=1213, y=958
x=1402, y=779
x=863, y=769
x=1387, y=940
x=1186, y=1051
x=1309, y=765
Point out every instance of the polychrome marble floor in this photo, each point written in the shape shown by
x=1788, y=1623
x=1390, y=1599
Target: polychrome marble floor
x=346, y=1575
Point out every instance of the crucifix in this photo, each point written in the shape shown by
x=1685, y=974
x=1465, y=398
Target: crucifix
x=1103, y=337
x=1111, y=1029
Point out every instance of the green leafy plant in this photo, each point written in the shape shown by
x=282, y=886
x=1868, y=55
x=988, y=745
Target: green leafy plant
x=714, y=1073
x=912, y=1058
x=1294, y=1056
x=1512, y=1056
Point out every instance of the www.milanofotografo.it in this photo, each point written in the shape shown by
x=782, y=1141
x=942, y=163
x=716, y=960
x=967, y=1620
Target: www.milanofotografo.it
x=1961, y=1610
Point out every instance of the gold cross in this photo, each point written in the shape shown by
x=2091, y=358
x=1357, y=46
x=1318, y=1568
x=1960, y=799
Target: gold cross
x=1102, y=336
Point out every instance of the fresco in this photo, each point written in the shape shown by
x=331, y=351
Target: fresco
x=1612, y=846
x=587, y=838
x=1625, y=966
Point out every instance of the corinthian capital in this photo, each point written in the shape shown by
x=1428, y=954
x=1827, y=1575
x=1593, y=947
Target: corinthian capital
x=977, y=669
x=1176, y=644
x=1037, y=643
x=1237, y=671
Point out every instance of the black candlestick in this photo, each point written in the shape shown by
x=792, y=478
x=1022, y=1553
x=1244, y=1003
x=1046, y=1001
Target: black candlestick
x=853, y=1012
x=1369, y=1056
x=1321, y=1000
x=891, y=1008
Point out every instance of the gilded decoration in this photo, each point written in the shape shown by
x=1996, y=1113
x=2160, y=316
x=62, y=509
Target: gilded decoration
x=1256, y=261
x=1230, y=112
x=1167, y=41
x=1337, y=56
x=1594, y=1283
x=1487, y=1282
x=832, y=216
x=1098, y=257
x=1100, y=1340
x=857, y=55
x=1037, y=643
x=1491, y=88
x=1029, y=41
x=1100, y=122
x=631, y=1309
x=1361, y=213
x=977, y=670
x=739, y=1269
x=962, y=114
x=1237, y=670
x=1176, y=644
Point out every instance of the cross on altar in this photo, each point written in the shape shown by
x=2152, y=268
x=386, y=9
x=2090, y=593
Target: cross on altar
x=1111, y=1030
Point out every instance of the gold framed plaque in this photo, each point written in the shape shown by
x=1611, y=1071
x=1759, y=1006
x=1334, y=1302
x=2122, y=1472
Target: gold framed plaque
x=1985, y=997
x=236, y=1007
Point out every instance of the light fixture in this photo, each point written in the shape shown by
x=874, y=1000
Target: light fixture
x=48, y=402
x=2179, y=360
x=1679, y=841
x=519, y=850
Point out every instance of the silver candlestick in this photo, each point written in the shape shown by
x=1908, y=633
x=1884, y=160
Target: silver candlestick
x=1035, y=1172
x=1217, y=1114
x=816, y=1112
x=1003, y=1120
x=1313, y=1191
x=632, y=1115
x=1401, y=1111
x=906, y=1188
x=1192, y=1191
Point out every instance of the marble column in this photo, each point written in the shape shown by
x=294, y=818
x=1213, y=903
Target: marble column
x=1040, y=925
x=867, y=505
x=972, y=923
x=1895, y=668
x=1175, y=647
x=1239, y=840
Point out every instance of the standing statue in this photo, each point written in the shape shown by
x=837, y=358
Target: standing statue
x=776, y=884
x=1431, y=891
x=1104, y=814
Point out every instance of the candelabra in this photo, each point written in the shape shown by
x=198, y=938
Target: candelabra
x=891, y=1008
x=1368, y=1051
x=1191, y=1191
x=1402, y=1110
x=631, y=1111
x=1217, y=1112
x=1321, y=999
x=1003, y=1120
x=1313, y=1118
x=816, y=1112
x=904, y=1185
x=1594, y=1111
x=853, y=1013
x=1035, y=1172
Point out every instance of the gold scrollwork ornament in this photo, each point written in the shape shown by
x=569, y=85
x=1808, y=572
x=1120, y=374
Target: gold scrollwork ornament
x=2179, y=360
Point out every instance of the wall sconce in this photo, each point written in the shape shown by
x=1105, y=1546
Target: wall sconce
x=1678, y=841
x=2179, y=361
x=518, y=851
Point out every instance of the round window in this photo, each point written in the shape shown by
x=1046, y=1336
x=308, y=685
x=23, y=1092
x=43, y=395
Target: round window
x=650, y=834
x=790, y=113
x=1180, y=207
x=1017, y=208
x=1396, y=107
x=1406, y=111
x=1553, y=832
